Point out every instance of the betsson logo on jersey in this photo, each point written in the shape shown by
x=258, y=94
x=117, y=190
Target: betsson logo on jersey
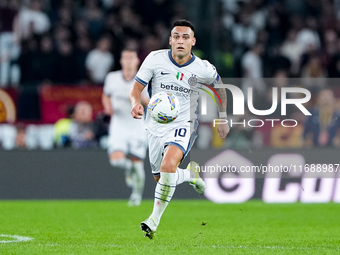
x=175, y=88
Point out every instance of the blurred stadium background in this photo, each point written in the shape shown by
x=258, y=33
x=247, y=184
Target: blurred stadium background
x=56, y=53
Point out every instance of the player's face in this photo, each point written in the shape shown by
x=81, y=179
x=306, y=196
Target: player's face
x=181, y=40
x=129, y=60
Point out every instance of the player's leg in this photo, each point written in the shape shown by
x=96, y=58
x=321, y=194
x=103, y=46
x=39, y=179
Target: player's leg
x=118, y=159
x=138, y=181
x=137, y=151
x=166, y=185
x=117, y=150
x=190, y=175
x=165, y=188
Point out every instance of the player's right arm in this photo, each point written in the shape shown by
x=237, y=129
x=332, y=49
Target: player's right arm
x=135, y=99
x=106, y=101
x=143, y=76
x=107, y=93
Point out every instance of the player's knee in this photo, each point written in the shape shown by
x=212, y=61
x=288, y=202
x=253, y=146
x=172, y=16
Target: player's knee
x=168, y=166
x=121, y=163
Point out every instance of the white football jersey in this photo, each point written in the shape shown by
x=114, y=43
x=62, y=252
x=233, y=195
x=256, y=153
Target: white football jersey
x=161, y=73
x=118, y=89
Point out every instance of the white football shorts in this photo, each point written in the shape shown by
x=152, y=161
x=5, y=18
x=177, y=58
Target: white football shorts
x=182, y=137
x=130, y=143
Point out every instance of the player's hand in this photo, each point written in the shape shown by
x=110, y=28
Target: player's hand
x=137, y=111
x=223, y=130
x=108, y=111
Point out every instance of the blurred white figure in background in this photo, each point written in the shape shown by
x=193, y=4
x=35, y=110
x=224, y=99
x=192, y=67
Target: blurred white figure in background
x=32, y=20
x=7, y=136
x=127, y=141
x=100, y=60
x=9, y=46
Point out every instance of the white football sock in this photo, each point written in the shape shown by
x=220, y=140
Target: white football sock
x=138, y=177
x=184, y=175
x=126, y=165
x=165, y=188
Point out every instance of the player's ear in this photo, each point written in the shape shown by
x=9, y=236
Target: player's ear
x=193, y=41
x=170, y=40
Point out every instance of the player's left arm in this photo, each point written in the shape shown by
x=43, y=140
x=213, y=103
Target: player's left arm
x=223, y=129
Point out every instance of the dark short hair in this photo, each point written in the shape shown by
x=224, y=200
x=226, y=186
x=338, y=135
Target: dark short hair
x=129, y=49
x=183, y=23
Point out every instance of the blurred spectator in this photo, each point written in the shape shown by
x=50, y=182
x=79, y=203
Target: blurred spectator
x=47, y=60
x=61, y=34
x=20, y=139
x=115, y=31
x=39, y=137
x=252, y=71
x=131, y=23
x=162, y=33
x=274, y=29
x=28, y=63
x=82, y=133
x=293, y=50
x=80, y=28
x=277, y=62
x=288, y=137
x=61, y=129
x=32, y=20
x=314, y=75
x=149, y=43
x=322, y=128
x=83, y=47
x=154, y=11
x=8, y=133
x=65, y=63
x=94, y=16
x=244, y=34
x=280, y=80
x=9, y=45
x=308, y=37
x=283, y=137
x=100, y=60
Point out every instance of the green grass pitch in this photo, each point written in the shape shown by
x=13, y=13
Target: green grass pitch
x=187, y=227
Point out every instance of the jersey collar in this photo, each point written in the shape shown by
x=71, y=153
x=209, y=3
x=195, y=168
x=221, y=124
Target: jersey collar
x=193, y=57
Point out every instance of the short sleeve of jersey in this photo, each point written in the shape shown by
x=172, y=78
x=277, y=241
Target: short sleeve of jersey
x=146, y=71
x=107, y=82
x=211, y=77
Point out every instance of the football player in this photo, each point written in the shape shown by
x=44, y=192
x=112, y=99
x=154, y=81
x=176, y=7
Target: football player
x=127, y=141
x=180, y=72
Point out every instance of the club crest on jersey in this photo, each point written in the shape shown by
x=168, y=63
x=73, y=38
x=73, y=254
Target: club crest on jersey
x=192, y=80
x=152, y=106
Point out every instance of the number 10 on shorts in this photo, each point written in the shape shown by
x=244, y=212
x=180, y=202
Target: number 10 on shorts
x=180, y=132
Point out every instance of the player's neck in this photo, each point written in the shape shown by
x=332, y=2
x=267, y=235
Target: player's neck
x=129, y=74
x=179, y=60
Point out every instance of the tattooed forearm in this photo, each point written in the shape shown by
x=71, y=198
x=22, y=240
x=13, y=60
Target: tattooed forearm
x=223, y=95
